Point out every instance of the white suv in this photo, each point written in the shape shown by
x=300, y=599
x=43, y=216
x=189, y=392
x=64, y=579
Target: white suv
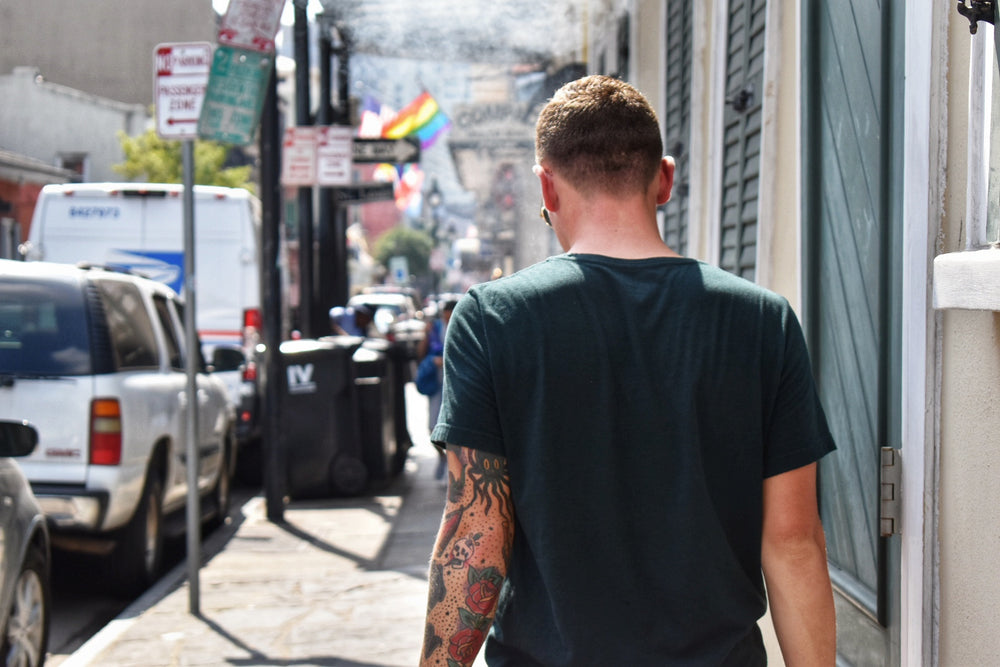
x=94, y=359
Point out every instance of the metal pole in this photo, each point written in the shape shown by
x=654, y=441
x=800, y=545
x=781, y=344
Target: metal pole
x=306, y=277
x=273, y=457
x=341, y=279
x=324, y=268
x=191, y=367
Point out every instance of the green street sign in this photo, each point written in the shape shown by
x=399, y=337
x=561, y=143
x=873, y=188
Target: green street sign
x=237, y=83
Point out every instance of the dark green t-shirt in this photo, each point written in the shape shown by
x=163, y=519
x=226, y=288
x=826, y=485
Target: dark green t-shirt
x=639, y=404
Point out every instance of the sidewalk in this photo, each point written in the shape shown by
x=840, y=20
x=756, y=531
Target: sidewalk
x=342, y=582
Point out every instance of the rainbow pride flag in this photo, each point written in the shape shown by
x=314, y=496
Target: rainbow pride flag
x=422, y=117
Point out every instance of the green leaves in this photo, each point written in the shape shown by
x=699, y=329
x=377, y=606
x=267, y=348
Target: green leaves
x=154, y=160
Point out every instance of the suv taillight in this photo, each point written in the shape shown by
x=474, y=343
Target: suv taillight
x=105, y=432
x=251, y=326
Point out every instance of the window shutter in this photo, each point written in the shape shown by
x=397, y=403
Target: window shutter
x=741, y=142
x=677, y=121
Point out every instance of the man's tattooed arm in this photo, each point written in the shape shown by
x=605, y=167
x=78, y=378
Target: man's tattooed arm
x=470, y=558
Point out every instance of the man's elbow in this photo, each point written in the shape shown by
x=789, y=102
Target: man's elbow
x=795, y=546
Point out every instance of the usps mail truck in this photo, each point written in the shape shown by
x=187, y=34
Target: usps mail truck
x=140, y=226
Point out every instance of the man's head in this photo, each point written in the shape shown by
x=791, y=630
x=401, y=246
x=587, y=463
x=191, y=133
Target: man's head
x=363, y=315
x=601, y=134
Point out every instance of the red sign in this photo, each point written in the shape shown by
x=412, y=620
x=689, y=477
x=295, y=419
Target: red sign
x=333, y=155
x=180, y=74
x=251, y=24
x=298, y=156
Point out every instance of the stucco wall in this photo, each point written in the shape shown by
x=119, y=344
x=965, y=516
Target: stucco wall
x=103, y=48
x=49, y=120
x=969, y=487
x=969, y=491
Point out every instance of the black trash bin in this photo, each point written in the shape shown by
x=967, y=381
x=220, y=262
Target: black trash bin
x=401, y=359
x=374, y=382
x=321, y=437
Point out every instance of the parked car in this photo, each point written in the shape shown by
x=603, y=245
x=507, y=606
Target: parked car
x=239, y=374
x=25, y=590
x=396, y=317
x=95, y=360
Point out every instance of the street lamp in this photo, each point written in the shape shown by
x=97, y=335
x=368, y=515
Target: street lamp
x=434, y=201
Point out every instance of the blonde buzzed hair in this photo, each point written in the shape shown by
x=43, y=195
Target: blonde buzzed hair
x=601, y=134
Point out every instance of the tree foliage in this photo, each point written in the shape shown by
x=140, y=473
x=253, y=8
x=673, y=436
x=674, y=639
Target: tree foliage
x=402, y=241
x=152, y=159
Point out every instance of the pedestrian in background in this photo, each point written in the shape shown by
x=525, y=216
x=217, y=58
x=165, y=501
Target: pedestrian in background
x=432, y=346
x=632, y=435
x=351, y=320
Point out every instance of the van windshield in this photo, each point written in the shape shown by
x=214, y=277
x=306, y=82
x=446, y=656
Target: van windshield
x=43, y=329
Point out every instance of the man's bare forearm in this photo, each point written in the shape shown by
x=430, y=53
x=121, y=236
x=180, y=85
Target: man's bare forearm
x=801, y=600
x=470, y=558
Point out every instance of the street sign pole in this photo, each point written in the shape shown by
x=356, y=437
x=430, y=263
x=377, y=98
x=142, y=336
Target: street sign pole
x=191, y=367
x=180, y=73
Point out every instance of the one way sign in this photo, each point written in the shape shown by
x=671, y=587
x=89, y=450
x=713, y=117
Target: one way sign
x=395, y=151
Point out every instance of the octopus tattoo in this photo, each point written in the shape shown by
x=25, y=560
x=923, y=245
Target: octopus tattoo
x=488, y=476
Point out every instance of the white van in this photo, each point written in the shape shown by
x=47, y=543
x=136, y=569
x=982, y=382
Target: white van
x=139, y=226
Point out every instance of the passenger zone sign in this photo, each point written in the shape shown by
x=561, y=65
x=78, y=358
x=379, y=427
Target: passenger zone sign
x=180, y=76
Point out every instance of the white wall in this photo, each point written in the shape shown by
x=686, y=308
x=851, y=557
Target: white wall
x=43, y=120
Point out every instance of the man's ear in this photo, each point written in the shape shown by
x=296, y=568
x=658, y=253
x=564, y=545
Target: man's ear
x=666, y=180
x=550, y=198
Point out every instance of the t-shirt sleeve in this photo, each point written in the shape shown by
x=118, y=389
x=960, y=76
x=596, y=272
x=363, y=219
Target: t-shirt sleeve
x=468, y=416
x=797, y=431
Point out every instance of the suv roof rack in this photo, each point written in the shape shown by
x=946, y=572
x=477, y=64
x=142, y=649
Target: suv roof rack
x=113, y=268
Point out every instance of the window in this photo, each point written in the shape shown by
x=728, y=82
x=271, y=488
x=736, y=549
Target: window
x=40, y=329
x=169, y=333
x=132, y=338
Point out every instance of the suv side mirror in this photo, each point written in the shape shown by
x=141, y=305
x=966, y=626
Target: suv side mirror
x=17, y=438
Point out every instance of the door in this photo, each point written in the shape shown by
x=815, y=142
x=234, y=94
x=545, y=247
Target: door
x=741, y=136
x=852, y=124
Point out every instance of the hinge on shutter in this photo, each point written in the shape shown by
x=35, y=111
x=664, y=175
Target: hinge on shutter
x=890, y=517
x=976, y=11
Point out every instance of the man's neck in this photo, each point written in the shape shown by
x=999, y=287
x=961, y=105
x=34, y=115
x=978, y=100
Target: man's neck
x=616, y=230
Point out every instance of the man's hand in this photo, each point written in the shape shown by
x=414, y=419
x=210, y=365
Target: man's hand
x=470, y=558
x=793, y=555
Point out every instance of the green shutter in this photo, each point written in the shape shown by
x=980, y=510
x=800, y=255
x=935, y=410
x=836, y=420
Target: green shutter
x=852, y=124
x=741, y=137
x=677, y=121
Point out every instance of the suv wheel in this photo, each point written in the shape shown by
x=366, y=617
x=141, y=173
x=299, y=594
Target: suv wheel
x=224, y=484
x=26, y=634
x=140, y=548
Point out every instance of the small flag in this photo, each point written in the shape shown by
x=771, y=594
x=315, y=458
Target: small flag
x=422, y=117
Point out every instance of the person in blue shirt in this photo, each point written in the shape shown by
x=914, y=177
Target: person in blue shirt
x=351, y=320
x=433, y=345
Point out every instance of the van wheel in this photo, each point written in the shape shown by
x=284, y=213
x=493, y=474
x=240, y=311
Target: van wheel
x=139, y=552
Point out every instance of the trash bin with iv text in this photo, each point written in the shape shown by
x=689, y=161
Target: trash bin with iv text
x=321, y=436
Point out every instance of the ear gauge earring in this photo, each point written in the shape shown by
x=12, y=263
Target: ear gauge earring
x=545, y=216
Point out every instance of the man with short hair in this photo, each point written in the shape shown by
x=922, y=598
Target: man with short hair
x=351, y=320
x=632, y=435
